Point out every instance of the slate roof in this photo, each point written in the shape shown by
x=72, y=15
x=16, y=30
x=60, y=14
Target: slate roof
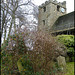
x=65, y=22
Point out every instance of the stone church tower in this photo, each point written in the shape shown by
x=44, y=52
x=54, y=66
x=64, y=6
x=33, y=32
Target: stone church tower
x=49, y=12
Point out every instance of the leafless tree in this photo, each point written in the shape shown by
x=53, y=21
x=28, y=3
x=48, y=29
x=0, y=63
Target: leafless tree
x=15, y=13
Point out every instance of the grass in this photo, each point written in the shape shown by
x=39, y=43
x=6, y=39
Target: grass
x=70, y=68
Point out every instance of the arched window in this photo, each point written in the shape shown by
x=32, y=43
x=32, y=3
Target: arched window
x=58, y=7
x=44, y=9
x=43, y=22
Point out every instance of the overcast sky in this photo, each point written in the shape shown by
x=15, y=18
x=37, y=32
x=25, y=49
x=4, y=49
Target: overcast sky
x=69, y=4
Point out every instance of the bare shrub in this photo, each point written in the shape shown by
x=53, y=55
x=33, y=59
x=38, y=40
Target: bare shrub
x=41, y=52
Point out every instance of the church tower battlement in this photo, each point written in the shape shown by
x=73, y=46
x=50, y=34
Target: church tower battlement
x=49, y=12
x=62, y=4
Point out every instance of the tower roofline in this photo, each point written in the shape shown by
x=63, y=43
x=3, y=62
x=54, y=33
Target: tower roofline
x=62, y=4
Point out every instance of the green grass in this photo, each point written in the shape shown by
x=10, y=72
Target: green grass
x=70, y=68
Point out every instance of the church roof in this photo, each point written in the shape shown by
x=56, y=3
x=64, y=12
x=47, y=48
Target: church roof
x=63, y=23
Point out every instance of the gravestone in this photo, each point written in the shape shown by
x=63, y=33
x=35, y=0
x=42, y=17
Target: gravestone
x=61, y=62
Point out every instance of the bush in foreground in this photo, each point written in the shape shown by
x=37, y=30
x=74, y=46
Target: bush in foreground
x=30, y=53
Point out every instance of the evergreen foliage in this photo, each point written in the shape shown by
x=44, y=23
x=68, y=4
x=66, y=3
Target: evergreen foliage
x=68, y=41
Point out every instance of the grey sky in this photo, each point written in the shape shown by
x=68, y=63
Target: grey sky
x=69, y=4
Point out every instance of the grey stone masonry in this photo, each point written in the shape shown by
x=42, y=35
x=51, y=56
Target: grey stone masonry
x=49, y=12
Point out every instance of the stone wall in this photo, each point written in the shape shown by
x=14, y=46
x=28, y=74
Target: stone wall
x=48, y=17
